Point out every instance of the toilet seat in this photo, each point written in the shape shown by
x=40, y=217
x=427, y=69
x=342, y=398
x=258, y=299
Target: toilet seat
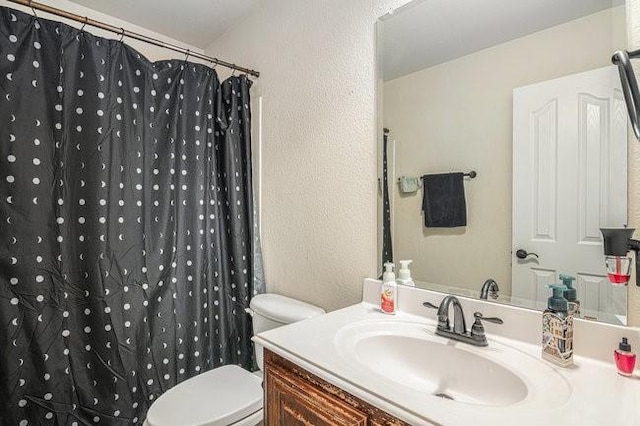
x=219, y=397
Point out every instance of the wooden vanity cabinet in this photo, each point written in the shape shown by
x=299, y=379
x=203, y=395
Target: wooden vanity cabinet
x=293, y=396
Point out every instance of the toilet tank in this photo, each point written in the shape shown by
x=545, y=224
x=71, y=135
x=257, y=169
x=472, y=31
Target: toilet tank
x=272, y=310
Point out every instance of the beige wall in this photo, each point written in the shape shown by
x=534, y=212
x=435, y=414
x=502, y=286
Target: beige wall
x=152, y=52
x=457, y=116
x=319, y=153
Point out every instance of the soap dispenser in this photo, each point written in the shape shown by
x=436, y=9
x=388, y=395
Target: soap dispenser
x=571, y=295
x=404, y=274
x=389, y=290
x=557, y=329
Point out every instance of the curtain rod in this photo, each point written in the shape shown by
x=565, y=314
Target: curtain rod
x=126, y=33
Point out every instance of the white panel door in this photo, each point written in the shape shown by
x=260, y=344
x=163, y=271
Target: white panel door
x=569, y=179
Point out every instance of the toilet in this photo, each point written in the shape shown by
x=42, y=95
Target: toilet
x=229, y=395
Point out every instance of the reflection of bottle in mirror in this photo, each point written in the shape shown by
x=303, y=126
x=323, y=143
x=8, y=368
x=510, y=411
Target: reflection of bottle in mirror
x=404, y=274
x=389, y=290
x=571, y=295
x=618, y=269
x=625, y=359
x=616, y=243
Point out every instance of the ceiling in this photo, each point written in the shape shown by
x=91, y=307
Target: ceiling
x=442, y=30
x=196, y=22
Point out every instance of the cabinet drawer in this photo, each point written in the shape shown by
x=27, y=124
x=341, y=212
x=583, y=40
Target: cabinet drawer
x=295, y=396
x=292, y=401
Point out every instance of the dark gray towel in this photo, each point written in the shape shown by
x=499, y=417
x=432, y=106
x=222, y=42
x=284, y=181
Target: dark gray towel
x=443, y=201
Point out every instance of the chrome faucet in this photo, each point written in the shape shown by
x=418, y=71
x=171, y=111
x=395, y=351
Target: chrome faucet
x=489, y=288
x=459, y=324
x=459, y=332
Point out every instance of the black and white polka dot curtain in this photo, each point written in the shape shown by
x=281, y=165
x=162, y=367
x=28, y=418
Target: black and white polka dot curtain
x=387, y=242
x=127, y=226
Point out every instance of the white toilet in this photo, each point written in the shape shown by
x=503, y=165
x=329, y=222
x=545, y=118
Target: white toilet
x=228, y=395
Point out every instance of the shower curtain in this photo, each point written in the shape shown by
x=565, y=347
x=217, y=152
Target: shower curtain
x=127, y=236
x=387, y=242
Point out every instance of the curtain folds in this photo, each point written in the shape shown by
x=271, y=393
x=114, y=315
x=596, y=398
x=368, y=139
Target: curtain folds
x=127, y=239
x=387, y=241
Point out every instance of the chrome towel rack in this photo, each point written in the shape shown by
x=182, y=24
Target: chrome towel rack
x=471, y=175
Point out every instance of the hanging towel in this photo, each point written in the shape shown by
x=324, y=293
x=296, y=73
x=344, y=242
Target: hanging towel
x=410, y=184
x=443, y=201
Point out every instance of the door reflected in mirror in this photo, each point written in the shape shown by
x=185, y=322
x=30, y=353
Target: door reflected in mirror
x=523, y=93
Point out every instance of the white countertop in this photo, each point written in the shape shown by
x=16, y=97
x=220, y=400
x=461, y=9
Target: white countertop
x=599, y=396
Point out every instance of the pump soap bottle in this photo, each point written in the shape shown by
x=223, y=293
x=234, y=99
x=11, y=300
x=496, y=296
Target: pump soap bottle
x=389, y=290
x=571, y=295
x=404, y=274
x=557, y=329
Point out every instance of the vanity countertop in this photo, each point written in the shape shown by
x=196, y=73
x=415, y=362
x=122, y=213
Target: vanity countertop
x=598, y=395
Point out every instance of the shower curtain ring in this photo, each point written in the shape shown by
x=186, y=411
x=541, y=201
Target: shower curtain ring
x=84, y=24
x=32, y=9
x=186, y=58
x=121, y=34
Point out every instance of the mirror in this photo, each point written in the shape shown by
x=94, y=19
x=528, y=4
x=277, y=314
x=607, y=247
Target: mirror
x=523, y=93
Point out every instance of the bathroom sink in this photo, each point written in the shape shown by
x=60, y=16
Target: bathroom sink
x=410, y=355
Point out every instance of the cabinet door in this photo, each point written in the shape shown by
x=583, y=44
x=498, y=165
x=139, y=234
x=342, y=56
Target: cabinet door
x=291, y=401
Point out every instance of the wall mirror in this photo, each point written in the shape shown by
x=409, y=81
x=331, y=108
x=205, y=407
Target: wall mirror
x=523, y=93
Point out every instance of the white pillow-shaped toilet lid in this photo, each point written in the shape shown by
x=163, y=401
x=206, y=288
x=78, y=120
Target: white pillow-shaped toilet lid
x=218, y=397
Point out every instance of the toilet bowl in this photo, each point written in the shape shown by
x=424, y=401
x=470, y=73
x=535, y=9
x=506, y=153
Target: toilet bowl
x=229, y=395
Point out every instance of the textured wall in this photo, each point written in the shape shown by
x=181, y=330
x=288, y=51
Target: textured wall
x=429, y=138
x=317, y=62
x=633, y=26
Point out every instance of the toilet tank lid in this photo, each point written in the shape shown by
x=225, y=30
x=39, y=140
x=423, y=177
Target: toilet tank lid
x=283, y=309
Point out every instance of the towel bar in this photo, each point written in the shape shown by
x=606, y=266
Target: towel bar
x=472, y=174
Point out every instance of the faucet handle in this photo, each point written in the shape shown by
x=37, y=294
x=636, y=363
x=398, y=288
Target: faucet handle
x=477, y=329
x=429, y=305
x=479, y=317
x=443, y=320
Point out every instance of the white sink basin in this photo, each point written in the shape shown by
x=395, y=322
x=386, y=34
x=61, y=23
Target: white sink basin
x=410, y=355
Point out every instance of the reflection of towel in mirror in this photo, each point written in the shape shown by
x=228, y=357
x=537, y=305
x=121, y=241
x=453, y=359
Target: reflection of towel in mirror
x=410, y=184
x=443, y=201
